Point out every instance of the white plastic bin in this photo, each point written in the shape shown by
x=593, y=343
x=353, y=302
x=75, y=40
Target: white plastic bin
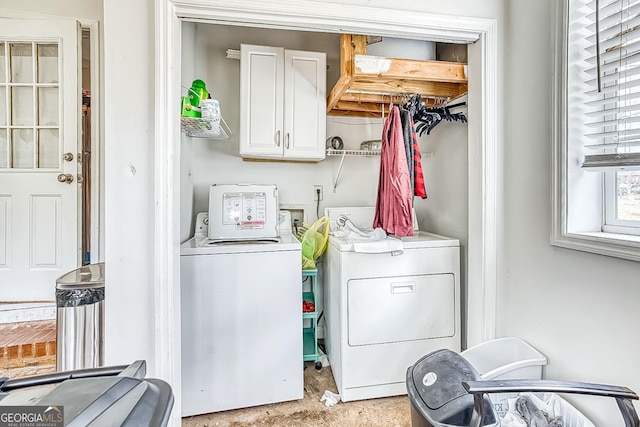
x=505, y=358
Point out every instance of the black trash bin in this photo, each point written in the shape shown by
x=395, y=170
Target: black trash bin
x=436, y=393
x=444, y=390
x=107, y=396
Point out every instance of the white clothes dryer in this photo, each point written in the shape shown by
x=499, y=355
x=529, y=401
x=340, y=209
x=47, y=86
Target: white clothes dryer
x=384, y=311
x=241, y=321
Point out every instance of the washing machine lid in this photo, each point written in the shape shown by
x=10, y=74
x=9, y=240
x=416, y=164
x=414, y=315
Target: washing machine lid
x=201, y=244
x=206, y=246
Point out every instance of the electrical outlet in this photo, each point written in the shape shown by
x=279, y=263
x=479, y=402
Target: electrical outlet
x=317, y=197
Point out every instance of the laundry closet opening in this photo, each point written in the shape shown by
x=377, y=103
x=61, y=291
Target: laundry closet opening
x=175, y=64
x=212, y=56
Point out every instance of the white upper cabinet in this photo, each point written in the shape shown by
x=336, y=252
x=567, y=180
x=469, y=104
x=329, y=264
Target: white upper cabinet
x=283, y=103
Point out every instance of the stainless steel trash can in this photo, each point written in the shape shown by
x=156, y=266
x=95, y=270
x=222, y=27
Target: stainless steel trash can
x=80, y=318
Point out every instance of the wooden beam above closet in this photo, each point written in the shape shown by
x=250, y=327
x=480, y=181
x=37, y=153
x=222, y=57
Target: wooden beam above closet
x=369, y=82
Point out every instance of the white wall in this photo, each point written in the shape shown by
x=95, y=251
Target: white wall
x=129, y=181
x=79, y=9
x=579, y=309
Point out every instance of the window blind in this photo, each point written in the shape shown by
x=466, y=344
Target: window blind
x=611, y=67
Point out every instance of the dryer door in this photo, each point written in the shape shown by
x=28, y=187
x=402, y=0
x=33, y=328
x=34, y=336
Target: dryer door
x=403, y=308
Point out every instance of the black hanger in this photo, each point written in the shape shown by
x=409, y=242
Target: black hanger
x=426, y=119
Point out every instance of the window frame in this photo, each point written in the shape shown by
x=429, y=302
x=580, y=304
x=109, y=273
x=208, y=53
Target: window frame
x=573, y=226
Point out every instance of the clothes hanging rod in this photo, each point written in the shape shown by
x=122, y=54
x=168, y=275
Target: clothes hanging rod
x=407, y=94
x=459, y=104
x=233, y=54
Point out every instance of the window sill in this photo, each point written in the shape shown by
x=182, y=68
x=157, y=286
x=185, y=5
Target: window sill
x=623, y=246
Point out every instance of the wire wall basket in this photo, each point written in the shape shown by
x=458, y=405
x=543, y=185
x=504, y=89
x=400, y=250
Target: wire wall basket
x=197, y=127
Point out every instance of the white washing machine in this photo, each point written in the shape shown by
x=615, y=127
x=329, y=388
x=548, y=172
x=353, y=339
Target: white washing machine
x=383, y=312
x=241, y=321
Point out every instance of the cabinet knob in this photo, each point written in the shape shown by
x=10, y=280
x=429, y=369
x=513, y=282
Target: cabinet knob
x=278, y=138
x=286, y=139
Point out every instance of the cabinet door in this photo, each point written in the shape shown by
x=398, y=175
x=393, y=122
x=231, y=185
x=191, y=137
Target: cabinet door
x=261, y=95
x=304, y=105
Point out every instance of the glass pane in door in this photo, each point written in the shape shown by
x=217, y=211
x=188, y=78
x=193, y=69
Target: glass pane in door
x=48, y=106
x=22, y=106
x=3, y=106
x=4, y=149
x=47, y=63
x=3, y=71
x=23, y=148
x=48, y=148
x=21, y=60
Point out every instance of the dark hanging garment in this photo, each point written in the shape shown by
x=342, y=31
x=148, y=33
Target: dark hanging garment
x=407, y=131
x=395, y=196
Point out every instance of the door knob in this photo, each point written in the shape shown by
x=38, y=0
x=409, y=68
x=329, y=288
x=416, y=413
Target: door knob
x=68, y=157
x=65, y=177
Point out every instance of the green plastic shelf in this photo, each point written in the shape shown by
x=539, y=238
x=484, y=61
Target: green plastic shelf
x=310, y=333
x=309, y=345
x=309, y=296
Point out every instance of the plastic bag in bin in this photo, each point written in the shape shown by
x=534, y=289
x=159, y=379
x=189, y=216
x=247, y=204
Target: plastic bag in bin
x=529, y=409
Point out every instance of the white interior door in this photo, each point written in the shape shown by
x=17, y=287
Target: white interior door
x=40, y=120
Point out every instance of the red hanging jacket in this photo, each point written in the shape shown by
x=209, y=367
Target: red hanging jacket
x=395, y=196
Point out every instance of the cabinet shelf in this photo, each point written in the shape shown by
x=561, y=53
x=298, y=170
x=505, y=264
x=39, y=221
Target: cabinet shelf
x=197, y=127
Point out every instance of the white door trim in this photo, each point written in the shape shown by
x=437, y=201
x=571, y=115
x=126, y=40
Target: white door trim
x=484, y=144
x=97, y=148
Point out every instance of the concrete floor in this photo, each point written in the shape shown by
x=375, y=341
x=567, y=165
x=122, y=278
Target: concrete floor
x=309, y=411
